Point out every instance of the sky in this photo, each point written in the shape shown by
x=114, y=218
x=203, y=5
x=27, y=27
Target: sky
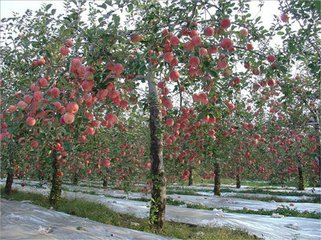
x=9, y=6
x=20, y=6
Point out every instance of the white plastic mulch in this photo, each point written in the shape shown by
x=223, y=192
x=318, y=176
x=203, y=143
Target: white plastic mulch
x=268, y=227
x=25, y=221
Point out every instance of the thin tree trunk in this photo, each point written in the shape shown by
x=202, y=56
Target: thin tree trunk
x=238, y=181
x=10, y=175
x=105, y=182
x=190, y=178
x=301, y=179
x=9, y=181
x=217, y=179
x=318, y=154
x=75, y=179
x=318, y=159
x=55, y=192
x=158, y=193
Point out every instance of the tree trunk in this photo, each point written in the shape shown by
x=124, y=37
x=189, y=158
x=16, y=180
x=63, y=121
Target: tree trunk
x=105, y=182
x=318, y=154
x=55, y=192
x=301, y=180
x=318, y=159
x=238, y=181
x=9, y=180
x=217, y=179
x=158, y=194
x=190, y=178
x=75, y=179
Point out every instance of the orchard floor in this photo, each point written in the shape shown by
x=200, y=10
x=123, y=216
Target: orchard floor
x=210, y=201
x=25, y=221
x=259, y=225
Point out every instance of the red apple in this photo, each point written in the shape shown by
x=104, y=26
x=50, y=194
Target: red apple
x=284, y=18
x=174, y=41
x=194, y=61
x=174, y=75
x=196, y=41
x=118, y=69
x=167, y=102
x=55, y=92
x=72, y=107
x=136, y=38
x=30, y=121
x=60, y=173
x=271, y=82
x=68, y=118
x=12, y=109
x=64, y=51
x=82, y=139
x=188, y=46
x=90, y=131
x=168, y=56
x=225, y=23
x=249, y=47
x=110, y=117
x=34, y=144
x=75, y=63
x=43, y=82
x=69, y=42
x=41, y=61
x=37, y=96
x=211, y=132
x=244, y=32
x=27, y=99
x=227, y=43
x=22, y=105
x=209, y=31
x=271, y=58
x=106, y=163
x=170, y=122
x=212, y=50
x=202, y=52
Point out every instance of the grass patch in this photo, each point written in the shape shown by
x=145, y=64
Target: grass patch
x=266, y=191
x=142, y=199
x=170, y=201
x=285, y=211
x=313, y=198
x=184, y=192
x=232, y=181
x=101, y=213
x=174, y=202
x=277, y=199
x=198, y=206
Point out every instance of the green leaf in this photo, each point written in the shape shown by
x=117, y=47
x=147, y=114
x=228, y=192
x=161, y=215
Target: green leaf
x=48, y=7
x=116, y=19
x=53, y=11
x=213, y=73
x=318, y=6
x=130, y=7
x=280, y=33
x=200, y=116
x=104, y=6
x=109, y=2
